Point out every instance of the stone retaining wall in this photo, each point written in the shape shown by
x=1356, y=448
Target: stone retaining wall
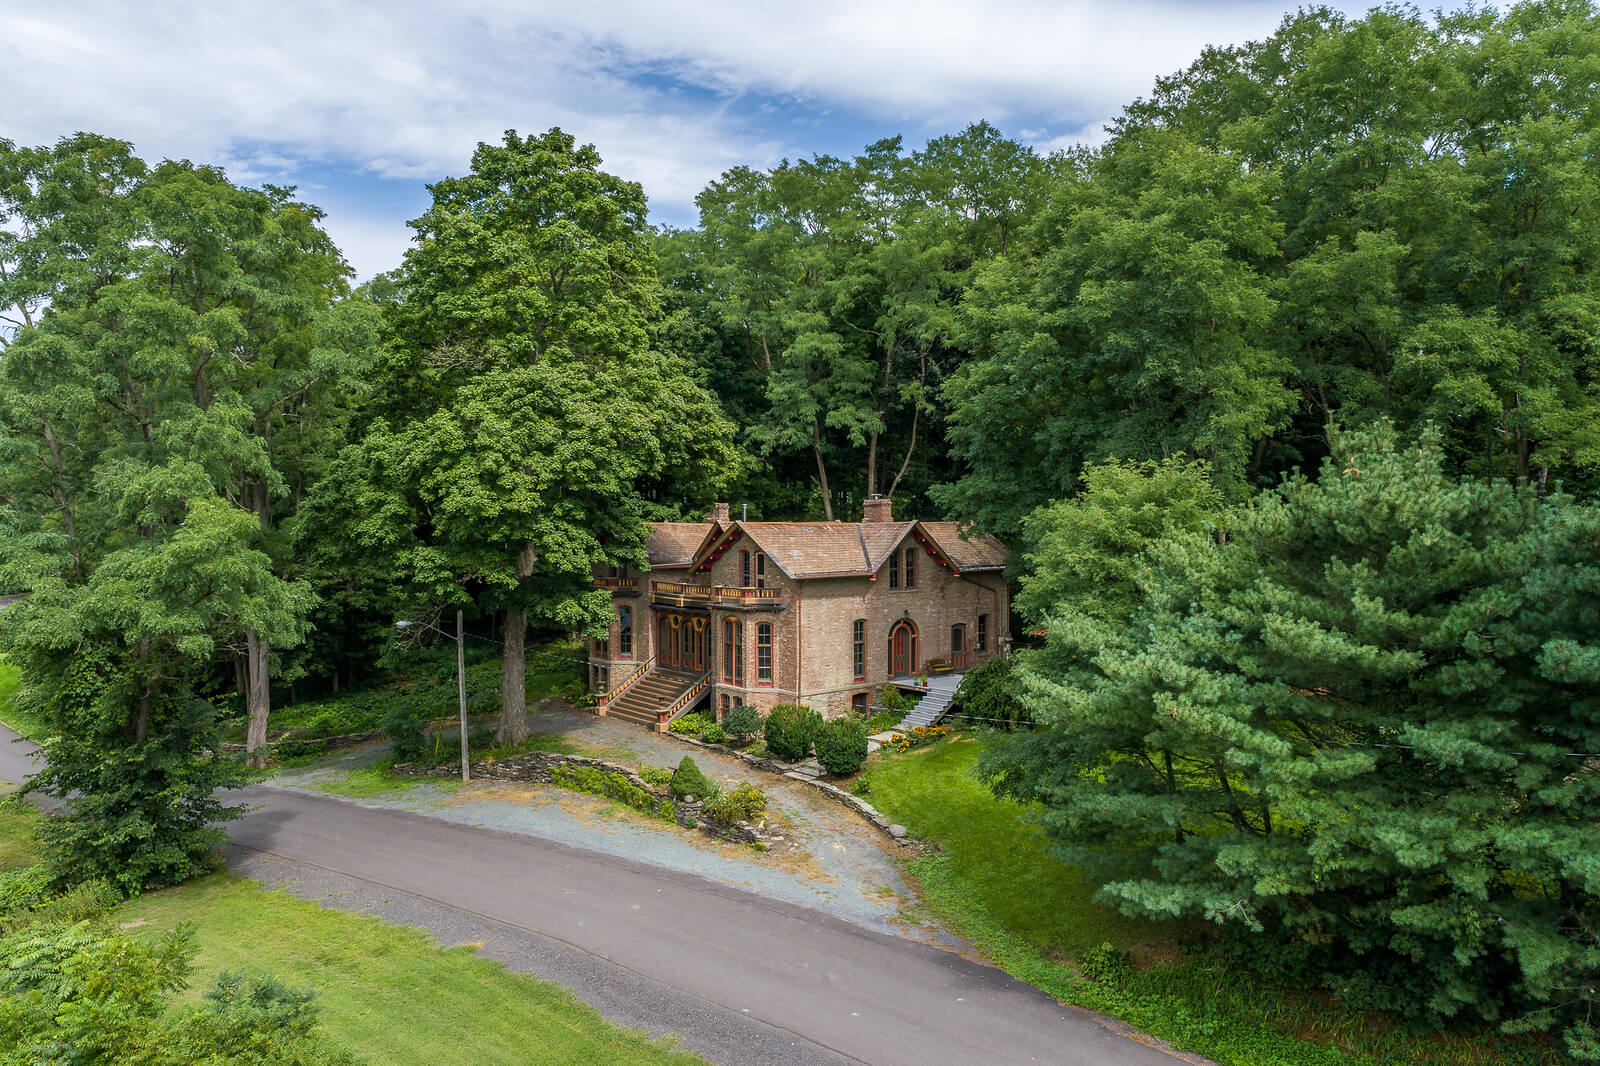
x=897, y=833
x=539, y=767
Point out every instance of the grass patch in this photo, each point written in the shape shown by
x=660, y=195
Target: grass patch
x=388, y=992
x=997, y=883
x=18, y=847
x=14, y=717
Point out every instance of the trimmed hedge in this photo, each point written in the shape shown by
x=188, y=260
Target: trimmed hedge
x=790, y=731
x=842, y=745
x=687, y=780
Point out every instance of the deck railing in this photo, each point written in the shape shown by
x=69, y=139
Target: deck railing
x=736, y=594
x=678, y=594
x=607, y=698
x=620, y=583
x=684, y=702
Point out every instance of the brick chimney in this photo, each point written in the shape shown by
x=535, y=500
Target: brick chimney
x=877, y=509
x=720, y=513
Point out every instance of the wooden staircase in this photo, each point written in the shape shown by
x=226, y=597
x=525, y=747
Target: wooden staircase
x=643, y=702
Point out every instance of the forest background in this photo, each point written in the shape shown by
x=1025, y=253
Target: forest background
x=1160, y=369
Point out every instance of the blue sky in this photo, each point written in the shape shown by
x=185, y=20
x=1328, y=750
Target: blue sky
x=361, y=105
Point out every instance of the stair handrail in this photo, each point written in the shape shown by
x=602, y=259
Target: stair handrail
x=685, y=701
x=606, y=698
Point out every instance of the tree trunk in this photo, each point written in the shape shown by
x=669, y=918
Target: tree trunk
x=514, y=682
x=258, y=701
x=822, y=476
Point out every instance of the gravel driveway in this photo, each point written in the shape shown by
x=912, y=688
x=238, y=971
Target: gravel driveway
x=830, y=860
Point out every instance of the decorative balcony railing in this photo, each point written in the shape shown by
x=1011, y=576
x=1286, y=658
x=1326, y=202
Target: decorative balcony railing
x=677, y=594
x=621, y=584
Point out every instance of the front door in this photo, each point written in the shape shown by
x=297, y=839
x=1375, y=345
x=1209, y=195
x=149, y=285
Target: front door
x=682, y=643
x=958, y=646
x=902, y=649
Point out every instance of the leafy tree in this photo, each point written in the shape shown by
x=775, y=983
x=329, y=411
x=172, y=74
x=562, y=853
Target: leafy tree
x=178, y=336
x=158, y=401
x=1085, y=554
x=1141, y=329
x=826, y=288
x=988, y=695
x=1392, y=216
x=527, y=423
x=1350, y=731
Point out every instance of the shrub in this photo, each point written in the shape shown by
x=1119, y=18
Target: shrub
x=404, y=730
x=842, y=745
x=884, y=720
x=1106, y=965
x=742, y=721
x=690, y=724
x=891, y=699
x=745, y=803
x=790, y=731
x=659, y=776
x=987, y=695
x=714, y=734
x=598, y=782
x=687, y=780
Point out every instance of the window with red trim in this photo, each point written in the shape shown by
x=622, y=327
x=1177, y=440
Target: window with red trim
x=764, y=653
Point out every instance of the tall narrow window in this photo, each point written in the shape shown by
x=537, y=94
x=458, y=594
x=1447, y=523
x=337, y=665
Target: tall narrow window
x=894, y=570
x=625, y=632
x=602, y=649
x=911, y=568
x=761, y=570
x=738, y=653
x=744, y=569
x=858, y=636
x=982, y=643
x=764, y=653
x=733, y=651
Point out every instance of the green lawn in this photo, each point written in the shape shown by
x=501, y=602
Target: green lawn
x=389, y=993
x=995, y=882
x=10, y=714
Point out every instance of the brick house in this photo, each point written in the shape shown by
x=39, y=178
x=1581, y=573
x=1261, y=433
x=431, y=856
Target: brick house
x=816, y=613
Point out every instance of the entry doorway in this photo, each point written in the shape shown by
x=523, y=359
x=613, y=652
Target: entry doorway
x=903, y=648
x=958, y=646
x=683, y=643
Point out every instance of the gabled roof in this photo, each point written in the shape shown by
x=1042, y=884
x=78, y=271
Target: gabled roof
x=980, y=552
x=677, y=543
x=804, y=550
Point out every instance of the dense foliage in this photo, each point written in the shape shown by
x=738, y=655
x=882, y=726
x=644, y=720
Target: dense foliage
x=74, y=989
x=689, y=780
x=1353, y=733
x=987, y=697
x=842, y=745
x=790, y=731
x=742, y=721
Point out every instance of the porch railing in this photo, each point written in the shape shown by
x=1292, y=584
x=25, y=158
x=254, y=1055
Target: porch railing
x=678, y=594
x=607, y=698
x=625, y=584
x=684, y=702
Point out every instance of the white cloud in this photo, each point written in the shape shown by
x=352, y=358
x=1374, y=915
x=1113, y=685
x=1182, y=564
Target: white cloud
x=405, y=89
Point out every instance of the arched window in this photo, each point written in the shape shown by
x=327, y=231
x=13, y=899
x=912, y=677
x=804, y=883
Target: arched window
x=764, y=653
x=625, y=632
x=981, y=642
x=858, y=640
x=858, y=703
x=911, y=568
x=733, y=651
x=761, y=570
x=744, y=569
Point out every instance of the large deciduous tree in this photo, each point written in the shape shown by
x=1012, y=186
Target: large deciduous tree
x=1362, y=730
x=1396, y=215
x=529, y=423
x=178, y=341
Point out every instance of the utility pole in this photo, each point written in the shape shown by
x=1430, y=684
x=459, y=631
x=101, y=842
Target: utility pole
x=461, y=685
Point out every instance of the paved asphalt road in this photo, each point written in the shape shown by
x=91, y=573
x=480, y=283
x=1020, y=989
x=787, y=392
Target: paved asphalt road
x=743, y=978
